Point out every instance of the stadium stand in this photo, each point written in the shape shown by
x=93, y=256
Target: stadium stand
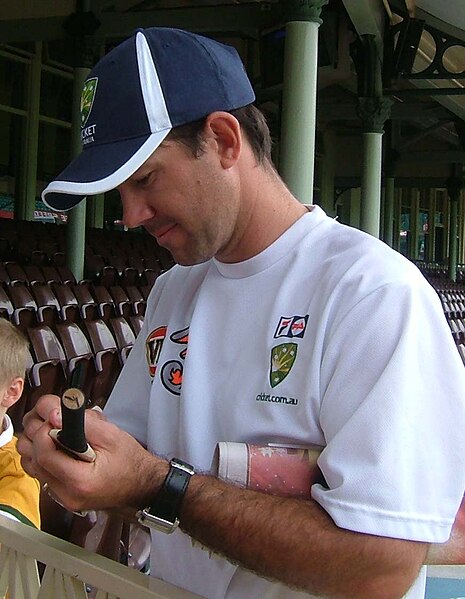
x=95, y=320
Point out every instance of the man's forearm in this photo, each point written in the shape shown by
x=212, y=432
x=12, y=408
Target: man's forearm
x=295, y=542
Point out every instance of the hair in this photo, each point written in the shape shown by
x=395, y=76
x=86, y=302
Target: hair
x=13, y=352
x=252, y=122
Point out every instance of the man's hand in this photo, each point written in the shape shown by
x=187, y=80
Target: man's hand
x=124, y=474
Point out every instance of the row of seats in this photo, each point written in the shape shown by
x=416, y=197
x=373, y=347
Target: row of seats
x=30, y=242
x=452, y=296
x=12, y=273
x=97, y=271
x=101, y=348
x=29, y=305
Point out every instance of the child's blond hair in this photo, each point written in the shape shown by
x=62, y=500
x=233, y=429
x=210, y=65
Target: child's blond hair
x=13, y=352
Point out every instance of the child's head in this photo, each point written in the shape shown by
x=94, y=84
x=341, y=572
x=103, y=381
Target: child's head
x=13, y=357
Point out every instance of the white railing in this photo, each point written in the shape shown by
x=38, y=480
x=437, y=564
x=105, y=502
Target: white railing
x=70, y=572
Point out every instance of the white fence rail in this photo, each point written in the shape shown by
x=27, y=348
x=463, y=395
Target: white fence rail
x=70, y=572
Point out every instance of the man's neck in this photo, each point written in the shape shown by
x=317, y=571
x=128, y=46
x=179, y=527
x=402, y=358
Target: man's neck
x=268, y=210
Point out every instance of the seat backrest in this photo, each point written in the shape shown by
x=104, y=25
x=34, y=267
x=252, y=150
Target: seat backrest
x=48, y=307
x=77, y=350
x=100, y=336
x=121, y=300
x=45, y=344
x=25, y=310
x=51, y=274
x=4, y=276
x=67, y=300
x=6, y=307
x=44, y=296
x=21, y=297
x=73, y=340
x=87, y=303
x=34, y=274
x=136, y=323
x=104, y=301
x=122, y=332
x=16, y=273
x=66, y=274
x=137, y=299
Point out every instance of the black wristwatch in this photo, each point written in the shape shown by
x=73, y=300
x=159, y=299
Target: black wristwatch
x=163, y=513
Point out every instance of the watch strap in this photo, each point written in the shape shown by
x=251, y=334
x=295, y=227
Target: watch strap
x=167, y=502
x=163, y=513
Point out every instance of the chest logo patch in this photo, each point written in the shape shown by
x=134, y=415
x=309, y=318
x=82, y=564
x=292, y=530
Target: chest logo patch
x=153, y=346
x=291, y=326
x=282, y=360
x=172, y=370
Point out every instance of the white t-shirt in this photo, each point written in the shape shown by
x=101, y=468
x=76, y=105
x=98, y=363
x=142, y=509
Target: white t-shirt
x=328, y=337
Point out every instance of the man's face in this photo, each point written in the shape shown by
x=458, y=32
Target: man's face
x=188, y=204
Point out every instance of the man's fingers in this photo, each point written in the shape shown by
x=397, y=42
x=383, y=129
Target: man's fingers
x=46, y=408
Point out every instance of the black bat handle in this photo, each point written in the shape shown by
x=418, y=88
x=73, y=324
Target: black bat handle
x=72, y=435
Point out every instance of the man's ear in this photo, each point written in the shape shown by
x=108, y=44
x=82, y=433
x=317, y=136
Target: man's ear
x=224, y=128
x=12, y=393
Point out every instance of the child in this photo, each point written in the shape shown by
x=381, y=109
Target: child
x=19, y=493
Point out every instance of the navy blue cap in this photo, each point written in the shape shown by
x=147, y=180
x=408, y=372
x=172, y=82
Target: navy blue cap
x=158, y=79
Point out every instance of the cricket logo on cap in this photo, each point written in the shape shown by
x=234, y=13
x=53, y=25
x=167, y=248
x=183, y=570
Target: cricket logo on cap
x=87, y=99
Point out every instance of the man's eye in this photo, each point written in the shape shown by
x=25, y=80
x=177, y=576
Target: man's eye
x=143, y=181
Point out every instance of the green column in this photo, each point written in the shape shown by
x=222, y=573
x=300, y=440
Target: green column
x=373, y=110
x=95, y=211
x=327, y=172
x=430, y=200
x=389, y=187
x=80, y=27
x=298, y=122
x=454, y=186
x=24, y=210
x=354, y=207
x=76, y=229
x=414, y=223
x=397, y=218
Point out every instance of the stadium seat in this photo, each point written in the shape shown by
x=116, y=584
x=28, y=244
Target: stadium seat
x=136, y=323
x=48, y=307
x=107, y=359
x=77, y=349
x=34, y=274
x=105, y=303
x=47, y=373
x=69, y=305
x=136, y=298
x=51, y=274
x=124, y=336
x=87, y=304
x=4, y=276
x=16, y=273
x=121, y=301
x=149, y=276
x=145, y=290
x=24, y=306
x=6, y=307
x=66, y=274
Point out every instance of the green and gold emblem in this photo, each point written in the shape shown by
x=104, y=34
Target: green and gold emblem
x=87, y=99
x=282, y=359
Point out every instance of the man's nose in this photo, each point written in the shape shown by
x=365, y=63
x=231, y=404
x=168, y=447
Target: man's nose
x=135, y=212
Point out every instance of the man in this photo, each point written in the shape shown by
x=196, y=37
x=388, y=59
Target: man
x=279, y=325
